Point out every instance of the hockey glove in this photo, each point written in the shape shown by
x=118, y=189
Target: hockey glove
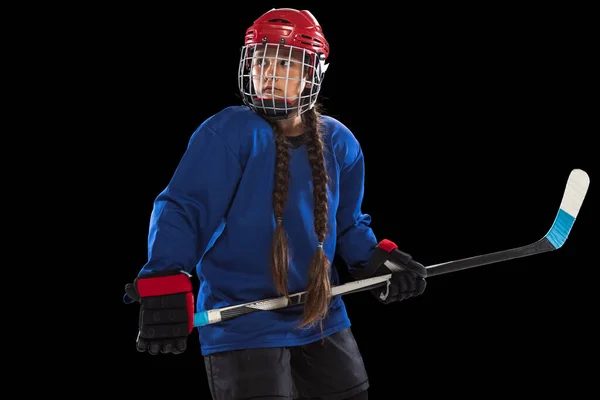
x=166, y=311
x=408, y=276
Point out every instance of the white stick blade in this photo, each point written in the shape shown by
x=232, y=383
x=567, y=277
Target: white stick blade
x=577, y=186
x=575, y=191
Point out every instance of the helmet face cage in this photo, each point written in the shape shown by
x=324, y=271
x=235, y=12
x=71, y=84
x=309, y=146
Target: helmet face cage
x=296, y=71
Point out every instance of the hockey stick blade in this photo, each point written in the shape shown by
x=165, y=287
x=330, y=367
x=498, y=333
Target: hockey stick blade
x=574, y=194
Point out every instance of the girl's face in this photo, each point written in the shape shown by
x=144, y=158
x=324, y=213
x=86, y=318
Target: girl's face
x=277, y=73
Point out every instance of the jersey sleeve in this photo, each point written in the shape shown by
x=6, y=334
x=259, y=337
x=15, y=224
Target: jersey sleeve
x=356, y=240
x=193, y=205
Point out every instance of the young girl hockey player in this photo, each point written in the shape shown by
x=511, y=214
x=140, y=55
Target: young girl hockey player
x=264, y=196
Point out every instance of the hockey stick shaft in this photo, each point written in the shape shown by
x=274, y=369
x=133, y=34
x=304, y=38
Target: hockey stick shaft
x=572, y=200
x=225, y=313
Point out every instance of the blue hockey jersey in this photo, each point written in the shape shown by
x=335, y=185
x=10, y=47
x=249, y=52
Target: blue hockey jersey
x=215, y=218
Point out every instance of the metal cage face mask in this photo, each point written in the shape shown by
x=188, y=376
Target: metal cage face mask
x=279, y=81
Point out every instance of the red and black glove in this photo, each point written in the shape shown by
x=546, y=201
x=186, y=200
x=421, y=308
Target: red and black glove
x=166, y=311
x=408, y=276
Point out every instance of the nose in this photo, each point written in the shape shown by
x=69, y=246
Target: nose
x=269, y=71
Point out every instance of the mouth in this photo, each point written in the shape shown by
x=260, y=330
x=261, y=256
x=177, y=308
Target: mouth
x=270, y=89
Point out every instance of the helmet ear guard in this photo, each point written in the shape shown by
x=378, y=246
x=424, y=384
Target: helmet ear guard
x=321, y=66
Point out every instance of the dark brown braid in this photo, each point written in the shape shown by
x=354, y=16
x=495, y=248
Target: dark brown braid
x=279, y=252
x=319, y=285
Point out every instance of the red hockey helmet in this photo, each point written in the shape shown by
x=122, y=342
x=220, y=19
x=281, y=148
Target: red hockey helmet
x=288, y=26
x=286, y=30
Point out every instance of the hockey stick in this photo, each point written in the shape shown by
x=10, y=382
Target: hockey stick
x=573, y=196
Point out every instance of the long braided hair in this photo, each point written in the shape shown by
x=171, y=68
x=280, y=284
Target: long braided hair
x=319, y=285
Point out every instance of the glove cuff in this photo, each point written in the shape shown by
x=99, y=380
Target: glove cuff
x=164, y=285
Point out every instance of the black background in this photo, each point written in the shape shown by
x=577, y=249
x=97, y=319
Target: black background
x=471, y=120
